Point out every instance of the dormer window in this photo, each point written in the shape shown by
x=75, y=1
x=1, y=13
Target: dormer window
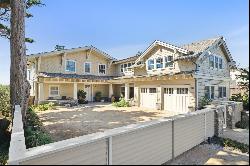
x=159, y=63
x=169, y=61
x=151, y=64
x=70, y=66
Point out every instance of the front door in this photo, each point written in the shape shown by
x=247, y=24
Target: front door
x=89, y=92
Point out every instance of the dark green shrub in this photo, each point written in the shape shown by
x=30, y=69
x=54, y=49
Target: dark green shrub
x=242, y=124
x=98, y=96
x=81, y=96
x=34, y=132
x=204, y=101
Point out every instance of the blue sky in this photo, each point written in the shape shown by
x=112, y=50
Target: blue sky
x=124, y=27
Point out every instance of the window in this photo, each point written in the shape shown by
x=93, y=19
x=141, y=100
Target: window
x=169, y=61
x=129, y=64
x=209, y=92
x=70, y=66
x=143, y=90
x=102, y=69
x=216, y=62
x=151, y=64
x=87, y=67
x=169, y=90
x=121, y=68
x=182, y=90
x=211, y=61
x=125, y=67
x=54, y=91
x=28, y=74
x=220, y=63
x=222, y=92
x=159, y=63
x=152, y=90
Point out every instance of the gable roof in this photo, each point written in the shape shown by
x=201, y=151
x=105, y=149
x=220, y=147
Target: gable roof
x=132, y=58
x=72, y=50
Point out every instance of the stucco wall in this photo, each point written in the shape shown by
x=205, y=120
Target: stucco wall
x=104, y=89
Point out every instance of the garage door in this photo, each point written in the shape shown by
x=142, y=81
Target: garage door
x=176, y=99
x=148, y=97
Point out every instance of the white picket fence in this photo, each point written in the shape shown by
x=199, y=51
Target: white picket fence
x=154, y=142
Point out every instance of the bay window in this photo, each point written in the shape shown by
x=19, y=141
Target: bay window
x=159, y=63
x=151, y=64
x=169, y=61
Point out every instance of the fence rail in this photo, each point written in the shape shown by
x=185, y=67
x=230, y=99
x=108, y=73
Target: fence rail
x=154, y=142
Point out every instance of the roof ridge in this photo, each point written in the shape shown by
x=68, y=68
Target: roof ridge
x=203, y=40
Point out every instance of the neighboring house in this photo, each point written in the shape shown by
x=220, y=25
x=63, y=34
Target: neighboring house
x=164, y=76
x=234, y=84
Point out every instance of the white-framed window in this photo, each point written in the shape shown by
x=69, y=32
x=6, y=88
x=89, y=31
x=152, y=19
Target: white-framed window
x=102, y=69
x=144, y=90
x=222, y=92
x=122, y=68
x=152, y=90
x=169, y=90
x=209, y=92
x=211, y=61
x=151, y=64
x=169, y=61
x=125, y=67
x=70, y=66
x=159, y=63
x=87, y=67
x=54, y=90
x=216, y=62
x=182, y=90
x=28, y=74
x=220, y=63
x=129, y=64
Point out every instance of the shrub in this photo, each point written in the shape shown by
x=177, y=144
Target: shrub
x=43, y=107
x=242, y=124
x=121, y=103
x=81, y=95
x=204, y=102
x=241, y=98
x=34, y=132
x=98, y=96
x=5, y=109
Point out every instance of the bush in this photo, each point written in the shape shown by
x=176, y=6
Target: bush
x=204, y=102
x=81, y=95
x=34, y=132
x=242, y=124
x=5, y=109
x=43, y=107
x=121, y=103
x=226, y=142
x=98, y=96
x=241, y=98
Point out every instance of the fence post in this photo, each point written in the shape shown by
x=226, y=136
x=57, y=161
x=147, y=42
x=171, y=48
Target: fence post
x=109, y=149
x=17, y=144
x=173, y=139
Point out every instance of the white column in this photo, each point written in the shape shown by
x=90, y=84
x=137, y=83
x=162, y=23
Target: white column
x=41, y=92
x=110, y=90
x=127, y=91
x=75, y=91
x=160, y=96
x=137, y=95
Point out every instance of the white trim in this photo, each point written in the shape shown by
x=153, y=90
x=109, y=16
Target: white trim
x=90, y=64
x=105, y=69
x=50, y=90
x=66, y=65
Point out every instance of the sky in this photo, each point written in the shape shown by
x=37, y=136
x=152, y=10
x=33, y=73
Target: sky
x=121, y=28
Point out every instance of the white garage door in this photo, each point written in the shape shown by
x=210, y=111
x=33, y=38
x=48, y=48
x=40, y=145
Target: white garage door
x=148, y=97
x=176, y=99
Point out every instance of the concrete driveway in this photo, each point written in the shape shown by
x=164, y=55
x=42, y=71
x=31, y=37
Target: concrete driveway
x=64, y=123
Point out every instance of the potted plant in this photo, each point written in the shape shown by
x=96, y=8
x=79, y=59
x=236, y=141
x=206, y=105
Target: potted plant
x=81, y=95
x=98, y=96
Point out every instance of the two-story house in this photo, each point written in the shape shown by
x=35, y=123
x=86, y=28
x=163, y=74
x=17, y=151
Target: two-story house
x=164, y=76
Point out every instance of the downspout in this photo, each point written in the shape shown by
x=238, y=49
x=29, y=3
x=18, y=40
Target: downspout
x=196, y=87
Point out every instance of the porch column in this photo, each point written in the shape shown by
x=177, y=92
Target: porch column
x=137, y=95
x=160, y=97
x=75, y=91
x=40, y=92
x=110, y=90
x=126, y=91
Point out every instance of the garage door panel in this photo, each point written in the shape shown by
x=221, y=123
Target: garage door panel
x=148, y=97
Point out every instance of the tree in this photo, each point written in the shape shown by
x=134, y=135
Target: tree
x=15, y=12
x=5, y=12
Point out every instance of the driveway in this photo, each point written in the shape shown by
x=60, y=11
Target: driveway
x=64, y=123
